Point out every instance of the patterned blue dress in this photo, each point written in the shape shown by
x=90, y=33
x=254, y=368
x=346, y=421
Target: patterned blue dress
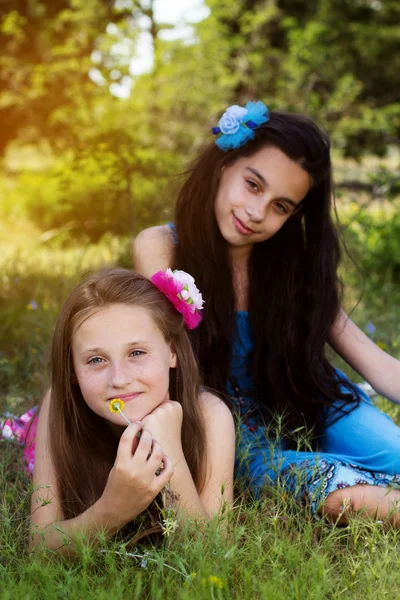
x=362, y=447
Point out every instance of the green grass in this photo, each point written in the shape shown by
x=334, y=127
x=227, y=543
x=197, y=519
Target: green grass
x=272, y=549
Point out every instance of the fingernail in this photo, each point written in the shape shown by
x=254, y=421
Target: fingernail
x=138, y=422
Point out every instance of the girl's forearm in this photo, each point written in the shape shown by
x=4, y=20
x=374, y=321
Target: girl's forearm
x=61, y=536
x=386, y=381
x=184, y=494
x=377, y=367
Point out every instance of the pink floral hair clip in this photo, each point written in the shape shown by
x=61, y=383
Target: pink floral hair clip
x=180, y=289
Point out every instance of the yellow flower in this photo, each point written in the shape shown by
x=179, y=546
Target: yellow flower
x=214, y=580
x=382, y=345
x=116, y=405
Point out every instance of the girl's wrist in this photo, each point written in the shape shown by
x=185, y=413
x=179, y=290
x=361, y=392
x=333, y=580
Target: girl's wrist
x=176, y=455
x=181, y=468
x=108, y=517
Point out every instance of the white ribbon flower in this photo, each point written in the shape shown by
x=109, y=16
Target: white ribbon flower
x=231, y=119
x=190, y=291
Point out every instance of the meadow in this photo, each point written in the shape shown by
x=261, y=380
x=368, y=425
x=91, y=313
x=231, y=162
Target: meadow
x=271, y=548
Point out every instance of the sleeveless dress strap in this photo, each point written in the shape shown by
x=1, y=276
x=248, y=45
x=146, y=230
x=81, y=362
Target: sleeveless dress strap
x=173, y=231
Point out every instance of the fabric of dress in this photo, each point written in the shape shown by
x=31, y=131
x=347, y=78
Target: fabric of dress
x=362, y=447
x=23, y=431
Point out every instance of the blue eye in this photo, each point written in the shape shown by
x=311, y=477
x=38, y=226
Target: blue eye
x=96, y=360
x=137, y=353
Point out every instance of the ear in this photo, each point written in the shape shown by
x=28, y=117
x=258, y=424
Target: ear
x=173, y=360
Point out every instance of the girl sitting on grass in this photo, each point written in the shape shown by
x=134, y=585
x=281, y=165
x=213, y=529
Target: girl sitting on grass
x=254, y=226
x=120, y=355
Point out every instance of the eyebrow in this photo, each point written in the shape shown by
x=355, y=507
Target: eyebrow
x=264, y=182
x=100, y=350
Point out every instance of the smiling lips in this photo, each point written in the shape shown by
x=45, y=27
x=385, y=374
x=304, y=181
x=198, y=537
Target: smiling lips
x=241, y=227
x=127, y=397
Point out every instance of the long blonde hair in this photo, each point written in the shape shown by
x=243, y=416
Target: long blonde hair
x=82, y=446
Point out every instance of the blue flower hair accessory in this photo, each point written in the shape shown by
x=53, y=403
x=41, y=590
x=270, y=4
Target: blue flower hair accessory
x=237, y=124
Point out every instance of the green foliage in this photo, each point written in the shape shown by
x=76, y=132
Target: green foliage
x=109, y=163
x=111, y=185
x=332, y=60
x=373, y=237
x=44, y=83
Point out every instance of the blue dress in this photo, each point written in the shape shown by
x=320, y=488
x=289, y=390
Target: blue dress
x=362, y=447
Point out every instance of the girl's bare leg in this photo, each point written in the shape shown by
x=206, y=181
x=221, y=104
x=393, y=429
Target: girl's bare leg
x=376, y=502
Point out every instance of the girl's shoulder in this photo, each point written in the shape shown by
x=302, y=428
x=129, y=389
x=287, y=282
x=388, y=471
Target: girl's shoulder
x=153, y=249
x=215, y=409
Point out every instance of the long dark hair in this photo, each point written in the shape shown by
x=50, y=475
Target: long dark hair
x=294, y=290
x=82, y=445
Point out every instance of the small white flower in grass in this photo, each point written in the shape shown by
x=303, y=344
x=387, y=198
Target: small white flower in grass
x=169, y=526
x=143, y=564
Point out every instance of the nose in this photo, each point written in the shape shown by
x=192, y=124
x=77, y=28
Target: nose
x=256, y=209
x=121, y=375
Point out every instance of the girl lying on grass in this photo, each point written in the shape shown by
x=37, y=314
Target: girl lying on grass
x=254, y=226
x=120, y=355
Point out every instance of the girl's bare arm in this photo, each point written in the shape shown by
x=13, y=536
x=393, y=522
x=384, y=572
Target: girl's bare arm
x=130, y=488
x=165, y=424
x=153, y=250
x=220, y=452
x=380, y=369
x=220, y=435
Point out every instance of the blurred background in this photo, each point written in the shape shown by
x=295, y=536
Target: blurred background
x=103, y=104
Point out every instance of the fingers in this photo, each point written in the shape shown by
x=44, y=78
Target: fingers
x=156, y=457
x=145, y=446
x=135, y=442
x=128, y=441
x=167, y=471
x=137, y=445
x=157, y=463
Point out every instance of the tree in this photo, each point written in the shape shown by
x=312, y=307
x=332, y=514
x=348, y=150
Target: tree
x=47, y=45
x=333, y=59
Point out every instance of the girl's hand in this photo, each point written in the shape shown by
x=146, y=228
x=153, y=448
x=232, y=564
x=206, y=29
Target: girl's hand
x=165, y=425
x=132, y=483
